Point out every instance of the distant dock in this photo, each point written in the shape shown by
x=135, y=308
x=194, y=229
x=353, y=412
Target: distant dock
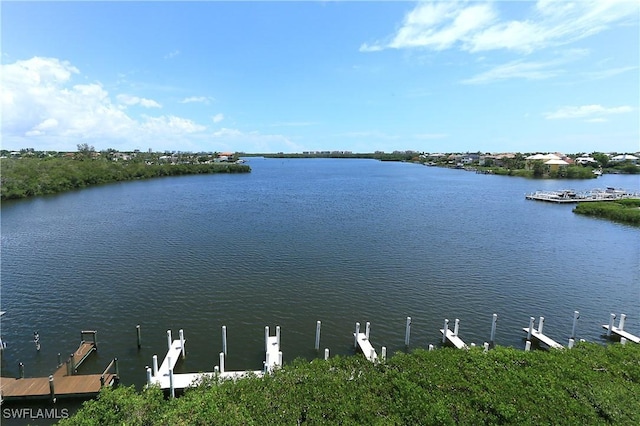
x=64, y=382
x=571, y=196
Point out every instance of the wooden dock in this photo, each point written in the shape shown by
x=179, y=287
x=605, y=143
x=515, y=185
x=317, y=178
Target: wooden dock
x=63, y=383
x=570, y=196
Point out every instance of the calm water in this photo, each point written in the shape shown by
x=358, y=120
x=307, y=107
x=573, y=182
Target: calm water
x=297, y=241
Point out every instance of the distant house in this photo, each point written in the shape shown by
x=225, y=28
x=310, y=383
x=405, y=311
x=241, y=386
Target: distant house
x=624, y=157
x=586, y=161
x=555, y=164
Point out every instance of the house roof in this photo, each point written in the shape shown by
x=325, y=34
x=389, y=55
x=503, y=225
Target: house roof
x=556, y=161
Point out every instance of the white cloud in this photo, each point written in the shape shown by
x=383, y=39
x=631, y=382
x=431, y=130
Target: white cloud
x=592, y=112
x=218, y=118
x=40, y=99
x=172, y=54
x=192, y=99
x=602, y=74
x=528, y=70
x=477, y=27
x=134, y=100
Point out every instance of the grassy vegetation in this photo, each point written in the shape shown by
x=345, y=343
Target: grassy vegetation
x=590, y=384
x=625, y=211
x=25, y=177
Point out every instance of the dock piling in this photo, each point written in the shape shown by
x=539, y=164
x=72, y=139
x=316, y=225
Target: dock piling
x=527, y=346
x=456, y=327
x=21, y=370
x=266, y=338
x=138, y=336
x=59, y=360
x=355, y=336
x=52, y=389
x=73, y=363
x=171, y=387
x=486, y=346
x=224, y=339
x=576, y=316
x=278, y=335
x=384, y=353
x=169, y=340
x=621, y=323
x=612, y=317
x=571, y=343
x=148, y=369
x=182, y=351
x=494, y=321
x=540, y=325
x=532, y=320
x=623, y=341
x=221, y=362
x=317, y=346
x=326, y=354
x=367, y=329
x=407, y=332
x=445, y=329
x=431, y=347
x=155, y=365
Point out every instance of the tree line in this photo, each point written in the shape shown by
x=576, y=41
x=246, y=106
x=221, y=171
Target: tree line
x=27, y=177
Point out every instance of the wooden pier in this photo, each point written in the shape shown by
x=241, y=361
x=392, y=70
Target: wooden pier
x=63, y=383
x=619, y=330
x=537, y=334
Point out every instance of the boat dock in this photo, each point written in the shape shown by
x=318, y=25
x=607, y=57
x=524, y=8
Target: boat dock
x=64, y=382
x=537, y=334
x=361, y=340
x=571, y=196
x=452, y=336
x=619, y=330
x=168, y=380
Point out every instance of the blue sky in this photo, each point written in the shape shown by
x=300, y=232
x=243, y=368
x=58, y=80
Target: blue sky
x=305, y=76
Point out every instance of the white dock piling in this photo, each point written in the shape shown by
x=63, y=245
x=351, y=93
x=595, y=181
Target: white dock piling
x=621, y=323
x=384, y=353
x=407, y=332
x=355, y=336
x=540, y=325
x=456, y=327
x=279, y=357
x=623, y=341
x=571, y=343
x=278, y=335
x=224, y=339
x=216, y=370
x=266, y=338
x=181, y=333
x=494, y=321
x=171, y=387
x=155, y=365
x=138, y=335
x=169, y=340
x=612, y=317
x=531, y=322
x=148, y=375
x=317, y=346
x=576, y=316
x=326, y=354
x=486, y=346
x=367, y=329
x=221, y=362
x=430, y=347
x=527, y=346
x=445, y=329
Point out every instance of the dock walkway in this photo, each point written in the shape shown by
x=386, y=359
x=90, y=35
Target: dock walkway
x=452, y=336
x=537, y=334
x=361, y=340
x=64, y=382
x=619, y=330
